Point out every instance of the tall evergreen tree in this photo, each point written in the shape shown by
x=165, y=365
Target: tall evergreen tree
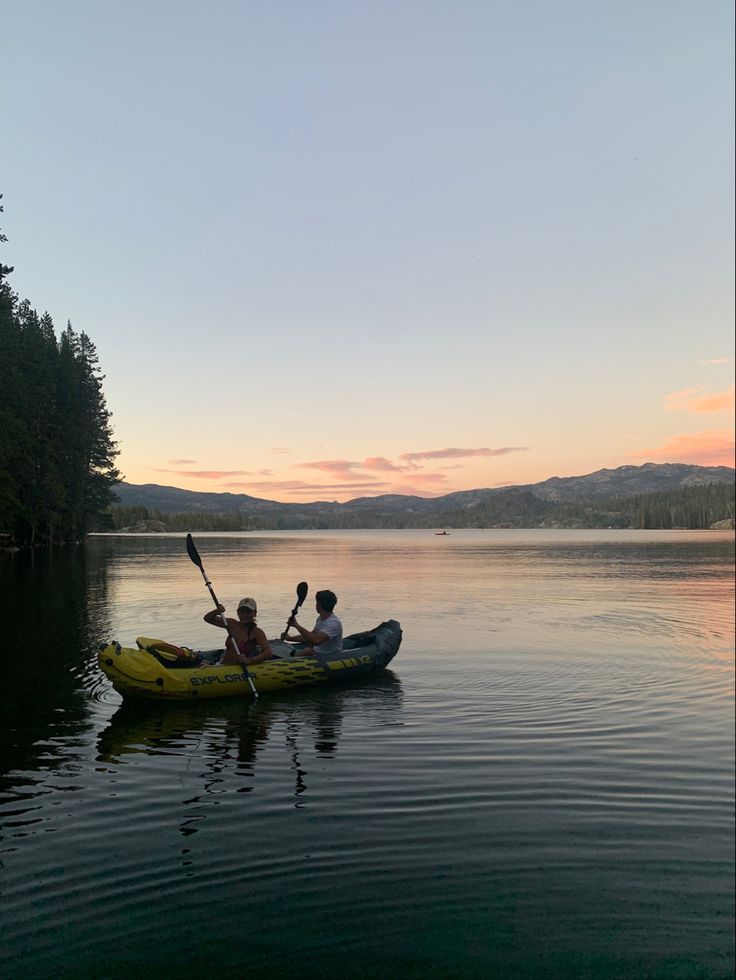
x=99, y=448
x=57, y=452
x=10, y=373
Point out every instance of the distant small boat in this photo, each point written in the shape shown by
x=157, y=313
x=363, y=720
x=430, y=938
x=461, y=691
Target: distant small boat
x=441, y=532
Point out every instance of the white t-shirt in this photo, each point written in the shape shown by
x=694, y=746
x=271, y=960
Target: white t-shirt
x=332, y=626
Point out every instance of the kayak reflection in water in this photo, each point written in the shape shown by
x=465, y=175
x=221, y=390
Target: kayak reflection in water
x=253, y=647
x=232, y=737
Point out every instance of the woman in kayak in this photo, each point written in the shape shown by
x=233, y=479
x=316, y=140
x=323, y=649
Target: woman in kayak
x=253, y=647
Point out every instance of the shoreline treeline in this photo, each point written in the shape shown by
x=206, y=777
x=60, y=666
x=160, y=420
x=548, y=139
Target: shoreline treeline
x=57, y=453
x=695, y=507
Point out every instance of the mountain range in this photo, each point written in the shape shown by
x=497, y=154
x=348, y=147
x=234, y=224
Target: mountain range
x=522, y=505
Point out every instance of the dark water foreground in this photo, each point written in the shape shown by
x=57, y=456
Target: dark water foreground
x=542, y=786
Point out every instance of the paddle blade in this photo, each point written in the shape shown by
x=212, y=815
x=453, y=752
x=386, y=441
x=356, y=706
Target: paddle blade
x=301, y=591
x=192, y=551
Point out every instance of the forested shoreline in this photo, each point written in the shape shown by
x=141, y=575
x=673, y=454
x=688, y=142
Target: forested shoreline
x=696, y=507
x=57, y=452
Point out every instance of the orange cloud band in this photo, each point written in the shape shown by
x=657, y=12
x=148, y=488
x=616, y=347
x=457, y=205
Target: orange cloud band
x=381, y=464
x=298, y=486
x=713, y=447
x=335, y=467
x=205, y=474
x=458, y=453
x=685, y=401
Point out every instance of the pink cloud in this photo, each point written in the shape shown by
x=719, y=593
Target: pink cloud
x=722, y=401
x=181, y=462
x=380, y=463
x=715, y=360
x=341, y=489
x=694, y=401
x=713, y=447
x=204, y=474
x=675, y=399
x=299, y=486
x=426, y=478
x=344, y=491
x=420, y=490
x=340, y=468
x=458, y=453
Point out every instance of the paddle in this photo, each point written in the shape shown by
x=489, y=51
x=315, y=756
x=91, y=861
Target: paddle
x=301, y=592
x=194, y=555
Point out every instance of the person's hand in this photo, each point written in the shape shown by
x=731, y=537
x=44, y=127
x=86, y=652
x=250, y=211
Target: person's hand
x=220, y=607
x=292, y=621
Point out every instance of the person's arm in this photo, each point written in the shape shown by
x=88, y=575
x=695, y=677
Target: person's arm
x=265, y=652
x=315, y=637
x=215, y=618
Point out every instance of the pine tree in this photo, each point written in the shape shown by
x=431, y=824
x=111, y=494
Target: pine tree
x=100, y=448
x=57, y=452
x=11, y=432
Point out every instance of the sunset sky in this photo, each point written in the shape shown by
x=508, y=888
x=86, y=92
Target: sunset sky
x=334, y=249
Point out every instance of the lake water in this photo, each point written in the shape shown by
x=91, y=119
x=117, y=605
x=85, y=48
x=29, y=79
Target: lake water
x=541, y=786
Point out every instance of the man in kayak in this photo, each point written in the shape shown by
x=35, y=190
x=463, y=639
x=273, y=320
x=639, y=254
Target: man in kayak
x=253, y=647
x=326, y=637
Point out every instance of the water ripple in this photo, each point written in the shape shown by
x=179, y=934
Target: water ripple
x=542, y=787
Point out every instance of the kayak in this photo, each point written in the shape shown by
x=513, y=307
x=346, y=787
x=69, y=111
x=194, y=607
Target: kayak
x=159, y=670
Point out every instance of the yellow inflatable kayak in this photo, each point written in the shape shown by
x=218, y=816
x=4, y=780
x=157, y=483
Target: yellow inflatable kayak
x=159, y=670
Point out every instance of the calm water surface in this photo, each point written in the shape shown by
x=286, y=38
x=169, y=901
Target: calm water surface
x=542, y=785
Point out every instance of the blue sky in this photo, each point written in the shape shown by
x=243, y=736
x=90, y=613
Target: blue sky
x=313, y=240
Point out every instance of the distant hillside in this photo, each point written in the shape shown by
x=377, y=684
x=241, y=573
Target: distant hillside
x=604, y=498
x=171, y=499
x=626, y=481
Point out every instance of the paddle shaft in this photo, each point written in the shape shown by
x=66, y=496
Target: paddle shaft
x=231, y=636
